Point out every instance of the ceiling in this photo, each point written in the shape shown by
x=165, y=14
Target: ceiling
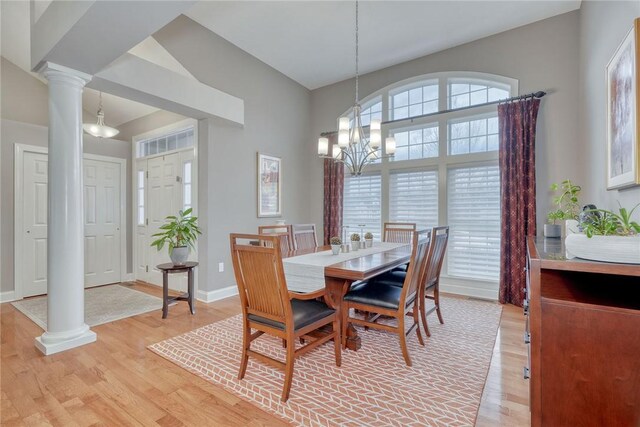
x=16, y=47
x=313, y=42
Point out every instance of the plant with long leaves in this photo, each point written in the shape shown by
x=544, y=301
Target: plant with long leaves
x=180, y=230
x=609, y=223
x=568, y=206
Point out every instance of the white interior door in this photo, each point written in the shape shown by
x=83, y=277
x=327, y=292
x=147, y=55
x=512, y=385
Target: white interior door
x=163, y=199
x=34, y=221
x=101, y=222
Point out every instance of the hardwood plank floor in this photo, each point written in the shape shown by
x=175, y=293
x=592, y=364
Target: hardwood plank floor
x=116, y=381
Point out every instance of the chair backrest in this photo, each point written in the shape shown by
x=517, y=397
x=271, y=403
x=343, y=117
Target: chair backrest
x=420, y=244
x=284, y=231
x=437, y=250
x=260, y=277
x=398, y=232
x=304, y=236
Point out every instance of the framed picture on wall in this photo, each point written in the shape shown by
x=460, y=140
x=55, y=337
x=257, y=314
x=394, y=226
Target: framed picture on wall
x=623, y=114
x=269, y=186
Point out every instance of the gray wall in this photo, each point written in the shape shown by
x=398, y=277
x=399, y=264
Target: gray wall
x=24, y=113
x=277, y=118
x=603, y=25
x=542, y=56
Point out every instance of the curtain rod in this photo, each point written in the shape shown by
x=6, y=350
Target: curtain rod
x=539, y=94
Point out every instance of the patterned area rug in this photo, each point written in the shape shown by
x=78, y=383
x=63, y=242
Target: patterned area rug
x=102, y=304
x=373, y=387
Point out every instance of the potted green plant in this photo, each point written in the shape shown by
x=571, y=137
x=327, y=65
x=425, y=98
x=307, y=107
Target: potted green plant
x=180, y=234
x=567, y=207
x=336, y=244
x=355, y=241
x=368, y=238
x=607, y=236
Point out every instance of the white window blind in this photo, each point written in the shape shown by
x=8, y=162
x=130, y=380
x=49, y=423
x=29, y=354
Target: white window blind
x=362, y=204
x=413, y=197
x=474, y=220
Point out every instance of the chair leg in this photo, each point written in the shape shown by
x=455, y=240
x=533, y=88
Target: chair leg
x=416, y=320
x=423, y=315
x=436, y=299
x=288, y=372
x=337, y=342
x=246, y=333
x=403, y=341
x=345, y=324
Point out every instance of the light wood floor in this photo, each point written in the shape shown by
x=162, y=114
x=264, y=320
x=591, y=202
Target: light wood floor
x=116, y=381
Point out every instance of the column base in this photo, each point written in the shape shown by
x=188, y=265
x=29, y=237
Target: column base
x=49, y=343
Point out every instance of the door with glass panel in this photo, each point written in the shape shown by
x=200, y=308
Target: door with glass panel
x=164, y=183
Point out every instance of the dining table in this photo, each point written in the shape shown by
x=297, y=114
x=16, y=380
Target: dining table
x=318, y=269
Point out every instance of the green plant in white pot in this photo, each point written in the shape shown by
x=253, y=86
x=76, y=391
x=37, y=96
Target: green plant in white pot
x=180, y=233
x=368, y=238
x=607, y=236
x=336, y=244
x=355, y=241
x=567, y=207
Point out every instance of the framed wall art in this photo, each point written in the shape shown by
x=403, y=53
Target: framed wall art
x=623, y=133
x=269, y=186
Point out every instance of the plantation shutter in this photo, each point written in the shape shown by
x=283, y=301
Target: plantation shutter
x=413, y=197
x=474, y=220
x=362, y=204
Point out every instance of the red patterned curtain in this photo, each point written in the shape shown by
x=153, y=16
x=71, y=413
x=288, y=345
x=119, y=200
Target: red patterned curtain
x=333, y=194
x=517, y=121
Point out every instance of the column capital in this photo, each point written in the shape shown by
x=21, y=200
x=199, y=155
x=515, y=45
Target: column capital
x=51, y=71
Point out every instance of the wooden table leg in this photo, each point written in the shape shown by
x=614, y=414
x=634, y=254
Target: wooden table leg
x=165, y=294
x=192, y=304
x=336, y=290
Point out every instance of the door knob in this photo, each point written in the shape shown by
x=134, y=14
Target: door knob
x=28, y=231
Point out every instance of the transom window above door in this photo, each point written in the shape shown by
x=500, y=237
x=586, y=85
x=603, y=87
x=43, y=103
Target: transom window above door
x=169, y=142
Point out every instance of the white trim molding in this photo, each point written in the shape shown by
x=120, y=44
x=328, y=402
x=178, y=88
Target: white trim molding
x=470, y=288
x=8, y=296
x=217, y=294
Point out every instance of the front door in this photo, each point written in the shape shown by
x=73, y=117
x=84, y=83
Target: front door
x=102, y=223
x=163, y=199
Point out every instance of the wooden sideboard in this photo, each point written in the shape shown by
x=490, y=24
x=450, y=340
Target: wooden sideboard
x=583, y=335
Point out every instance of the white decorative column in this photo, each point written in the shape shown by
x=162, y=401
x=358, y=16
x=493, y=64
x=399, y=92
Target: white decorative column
x=65, y=232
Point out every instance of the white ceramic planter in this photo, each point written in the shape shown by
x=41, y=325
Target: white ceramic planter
x=369, y=242
x=336, y=249
x=618, y=249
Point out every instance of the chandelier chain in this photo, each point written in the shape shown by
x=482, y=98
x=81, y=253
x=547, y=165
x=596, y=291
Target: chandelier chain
x=357, y=30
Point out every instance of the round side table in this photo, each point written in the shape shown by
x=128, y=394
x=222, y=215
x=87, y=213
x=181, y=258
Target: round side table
x=189, y=296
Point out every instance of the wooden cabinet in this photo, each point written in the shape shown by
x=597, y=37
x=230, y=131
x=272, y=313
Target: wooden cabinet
x=583, y=333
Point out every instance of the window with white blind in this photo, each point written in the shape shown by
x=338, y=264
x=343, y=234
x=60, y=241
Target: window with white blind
x=362, y=204
x=474, y=221
x=444, y=172
x=413, y=197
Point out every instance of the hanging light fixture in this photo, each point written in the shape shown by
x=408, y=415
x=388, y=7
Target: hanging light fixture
x=99, y=129
x=354, y=149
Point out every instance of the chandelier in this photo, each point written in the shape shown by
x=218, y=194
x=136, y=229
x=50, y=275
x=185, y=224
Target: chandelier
x=99, y=129
x=354, y=148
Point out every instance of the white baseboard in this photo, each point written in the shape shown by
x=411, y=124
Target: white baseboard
x=128, y=278
x=7, y=296
x=482, y=290
x=218, y=294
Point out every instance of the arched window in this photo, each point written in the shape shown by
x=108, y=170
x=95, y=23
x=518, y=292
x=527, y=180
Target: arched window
x=445, y=169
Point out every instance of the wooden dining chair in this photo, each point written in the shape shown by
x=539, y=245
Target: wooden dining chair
x=379, y=299
x=430, y=276
x=285, y=232
x=304, y=236
x=398, y=232
x=268, y=306
x=431, y=280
